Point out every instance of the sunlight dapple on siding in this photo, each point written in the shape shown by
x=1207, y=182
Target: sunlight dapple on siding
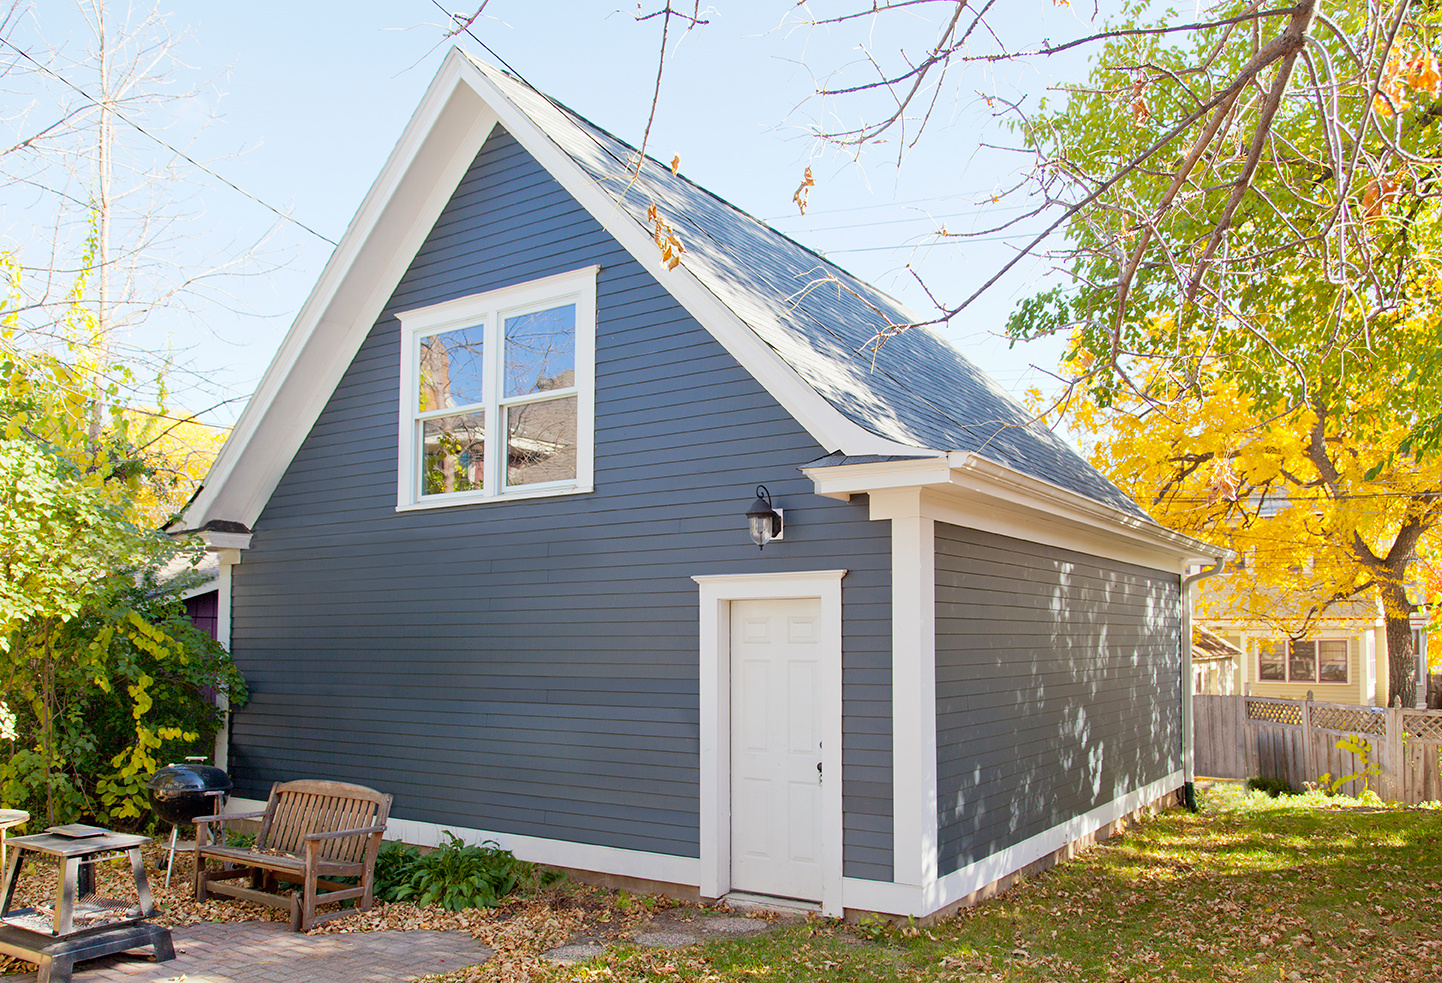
x=531, y=667
x=1058, y=687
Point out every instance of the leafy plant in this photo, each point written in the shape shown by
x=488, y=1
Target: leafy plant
x=1368, y=769
x=457, y=875
x=1272, y=786
x=103, y=674
x=394, y=863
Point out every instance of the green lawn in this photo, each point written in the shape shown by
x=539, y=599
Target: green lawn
x=1250, y=888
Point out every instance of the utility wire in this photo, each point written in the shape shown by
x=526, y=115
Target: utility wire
x=179, y=153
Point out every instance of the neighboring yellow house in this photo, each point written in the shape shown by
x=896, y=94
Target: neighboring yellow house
x=1341, y=659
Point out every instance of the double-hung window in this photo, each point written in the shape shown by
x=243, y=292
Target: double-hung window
x=1309, y=660
x=498, y=394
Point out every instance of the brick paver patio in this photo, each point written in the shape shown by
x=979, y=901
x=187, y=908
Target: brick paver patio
x=268, y=952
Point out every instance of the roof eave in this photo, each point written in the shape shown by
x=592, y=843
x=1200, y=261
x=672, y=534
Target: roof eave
x=457, y=113
x=971, y=483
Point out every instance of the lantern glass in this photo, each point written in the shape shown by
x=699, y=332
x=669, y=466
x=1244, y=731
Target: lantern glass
x=761, y=529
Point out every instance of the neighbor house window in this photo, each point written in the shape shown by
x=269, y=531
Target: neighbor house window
x=1310, y=660
x=497, y=394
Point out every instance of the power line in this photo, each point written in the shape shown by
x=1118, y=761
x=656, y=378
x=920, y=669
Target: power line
x=179, y=153
x=862, y=208
x=891, y=221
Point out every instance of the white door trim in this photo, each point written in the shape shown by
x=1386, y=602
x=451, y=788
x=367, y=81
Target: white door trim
x=716, y=595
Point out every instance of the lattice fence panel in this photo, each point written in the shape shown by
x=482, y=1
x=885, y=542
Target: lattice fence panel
x=1423, y=727
x=1276, y=711
x=1348, y=720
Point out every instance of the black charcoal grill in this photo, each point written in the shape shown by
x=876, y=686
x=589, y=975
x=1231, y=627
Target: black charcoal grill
x=179, y=793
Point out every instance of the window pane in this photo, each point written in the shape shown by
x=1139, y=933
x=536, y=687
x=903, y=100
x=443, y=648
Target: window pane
x=1272, y=660
x=454, y=454
x=1332, y=661
x=1304, y=662
x=541, y=351
x=541, y=442
x=453, y=370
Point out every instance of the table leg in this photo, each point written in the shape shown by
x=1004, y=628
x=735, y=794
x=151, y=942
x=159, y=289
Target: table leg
x=12, y=877
x=65, y=895
x=142, y=886
x=54, y=969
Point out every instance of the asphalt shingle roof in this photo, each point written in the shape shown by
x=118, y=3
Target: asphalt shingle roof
x=915, y=389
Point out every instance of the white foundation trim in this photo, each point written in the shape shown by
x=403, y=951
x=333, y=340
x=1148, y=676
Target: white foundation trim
x=903, y=899
x=973, y=877
x=537, y=849
x=716, y=595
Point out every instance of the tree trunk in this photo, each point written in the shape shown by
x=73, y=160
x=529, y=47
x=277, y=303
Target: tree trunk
x=1401, y=655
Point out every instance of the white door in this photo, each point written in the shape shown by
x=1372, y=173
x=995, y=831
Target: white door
x=776, y=748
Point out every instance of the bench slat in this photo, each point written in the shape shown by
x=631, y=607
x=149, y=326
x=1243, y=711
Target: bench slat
x=294, y=810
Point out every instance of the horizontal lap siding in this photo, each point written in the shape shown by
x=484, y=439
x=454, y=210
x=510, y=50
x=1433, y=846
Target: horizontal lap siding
x=1057, y=687
x=531, y=667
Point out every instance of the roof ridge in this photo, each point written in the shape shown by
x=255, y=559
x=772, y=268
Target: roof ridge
x=666, y=168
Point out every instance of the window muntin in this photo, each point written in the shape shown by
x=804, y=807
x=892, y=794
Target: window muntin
x=1307, y=661
x=510, y=370
x=1272, y=660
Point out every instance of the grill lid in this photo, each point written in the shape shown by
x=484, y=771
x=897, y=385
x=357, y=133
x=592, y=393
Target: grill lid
x=189, y=778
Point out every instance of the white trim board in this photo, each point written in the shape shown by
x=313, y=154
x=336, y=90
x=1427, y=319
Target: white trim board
x=716, y=594
x=456, y=116
x=901, y=899
x=966, y=489
x=853, y=893
x=536, y=849
x=913, y=700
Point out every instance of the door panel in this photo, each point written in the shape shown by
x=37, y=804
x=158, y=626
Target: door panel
x=776, y=748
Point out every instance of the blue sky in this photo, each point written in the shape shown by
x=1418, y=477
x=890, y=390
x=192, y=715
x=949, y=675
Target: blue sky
x=300, y=103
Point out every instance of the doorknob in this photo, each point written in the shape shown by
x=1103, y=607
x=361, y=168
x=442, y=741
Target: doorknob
x=818, y=773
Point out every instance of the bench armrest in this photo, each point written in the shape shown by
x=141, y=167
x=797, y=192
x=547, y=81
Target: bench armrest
x=338, y=833
x=227, y=817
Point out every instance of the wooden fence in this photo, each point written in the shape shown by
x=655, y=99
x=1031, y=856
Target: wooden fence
x=1296, y=741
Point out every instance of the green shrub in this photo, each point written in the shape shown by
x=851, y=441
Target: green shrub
x=394, y=863
x=454, y=875
x=1272, y=786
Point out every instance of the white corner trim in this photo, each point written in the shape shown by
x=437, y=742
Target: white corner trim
x=536, y=849
x=716, y=594
x=223, y=586
x=913, y=698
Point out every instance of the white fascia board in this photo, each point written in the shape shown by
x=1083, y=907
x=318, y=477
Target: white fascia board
x=967, y=489
x=827, y=425
x=217, y=541
x=403, y=203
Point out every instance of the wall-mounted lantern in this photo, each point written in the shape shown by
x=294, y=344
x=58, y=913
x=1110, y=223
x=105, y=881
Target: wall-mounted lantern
x=765, y=520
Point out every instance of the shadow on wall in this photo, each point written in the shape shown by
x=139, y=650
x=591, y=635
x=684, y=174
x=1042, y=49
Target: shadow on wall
x=1058, y=687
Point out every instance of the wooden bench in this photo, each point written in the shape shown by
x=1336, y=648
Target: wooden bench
x=310, y=832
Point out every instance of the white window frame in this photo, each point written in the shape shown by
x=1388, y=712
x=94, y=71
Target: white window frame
x=1316, y=659
x=489, y=311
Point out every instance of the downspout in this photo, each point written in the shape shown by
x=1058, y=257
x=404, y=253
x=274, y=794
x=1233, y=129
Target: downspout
x=1189, y=771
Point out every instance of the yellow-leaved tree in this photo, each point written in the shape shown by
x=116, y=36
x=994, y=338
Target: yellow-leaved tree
x=1320, y=507
x=1256, y=332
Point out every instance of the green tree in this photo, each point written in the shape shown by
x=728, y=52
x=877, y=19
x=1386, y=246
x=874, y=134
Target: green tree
x=1262, y=291
x=100, y=669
